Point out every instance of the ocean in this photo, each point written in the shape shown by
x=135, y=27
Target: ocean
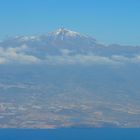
x=70, y=134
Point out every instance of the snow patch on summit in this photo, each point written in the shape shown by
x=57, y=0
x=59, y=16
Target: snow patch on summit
x=66, y=32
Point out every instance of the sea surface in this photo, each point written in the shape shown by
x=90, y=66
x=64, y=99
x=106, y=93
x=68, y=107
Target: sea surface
x=70, y=134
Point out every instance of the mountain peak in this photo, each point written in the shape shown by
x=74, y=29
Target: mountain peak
x=66, y=32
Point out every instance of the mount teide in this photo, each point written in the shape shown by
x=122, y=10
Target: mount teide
x=75, y=43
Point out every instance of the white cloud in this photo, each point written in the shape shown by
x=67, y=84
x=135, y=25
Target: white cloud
x=120, y=58
x=66, y=51
x=91, y=59
x=79, y=58
x=2, y=60
x=136, y=59
x=16, y=55
x=124, y=59
x=20, y=55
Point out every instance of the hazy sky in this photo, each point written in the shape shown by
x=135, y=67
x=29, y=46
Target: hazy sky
x=109, y=21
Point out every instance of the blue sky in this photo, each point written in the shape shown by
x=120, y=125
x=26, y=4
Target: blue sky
x=109, y=21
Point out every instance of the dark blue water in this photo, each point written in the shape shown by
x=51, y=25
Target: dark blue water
x=70, y=134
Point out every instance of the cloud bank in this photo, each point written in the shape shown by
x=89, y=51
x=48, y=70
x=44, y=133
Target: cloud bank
x=16, y=55
x=20, y=55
